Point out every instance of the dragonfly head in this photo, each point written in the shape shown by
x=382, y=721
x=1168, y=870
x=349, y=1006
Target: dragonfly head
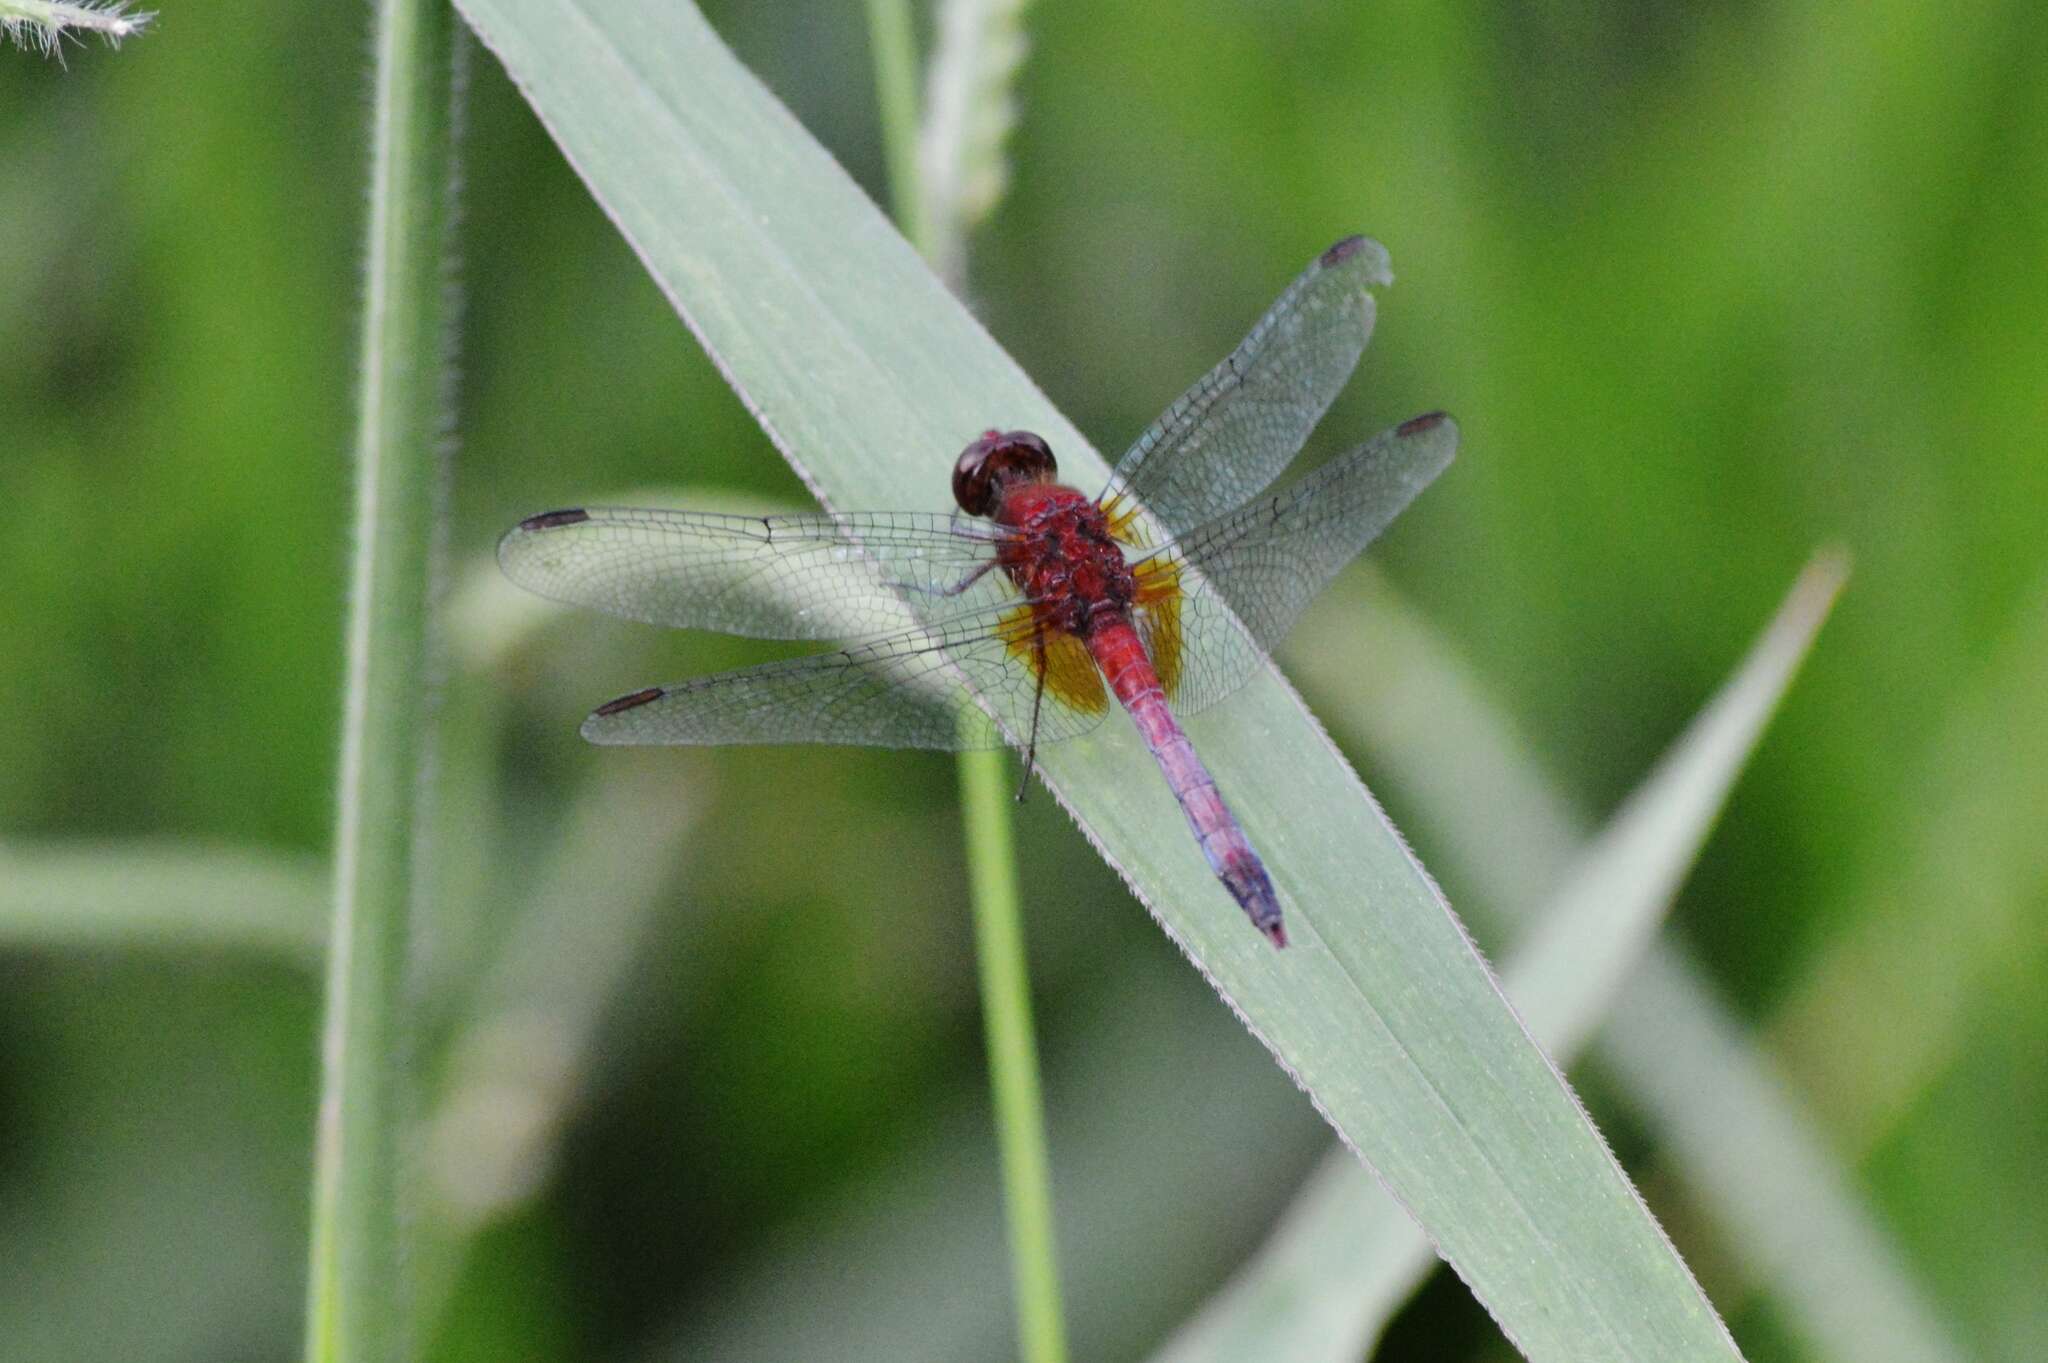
x=995, y=461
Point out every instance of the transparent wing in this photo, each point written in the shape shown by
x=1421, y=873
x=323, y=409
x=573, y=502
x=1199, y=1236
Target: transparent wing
x=1231, y=434
x=768, y=577
x=915, y=689
x=1247, y=576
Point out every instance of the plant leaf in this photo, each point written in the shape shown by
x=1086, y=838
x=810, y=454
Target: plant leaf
x=356, y=1284
x=173, y=894
x=520, y=1059
x=1345, y=1256
x=1747, y=1147
x=1978, y=795
x=869, y=377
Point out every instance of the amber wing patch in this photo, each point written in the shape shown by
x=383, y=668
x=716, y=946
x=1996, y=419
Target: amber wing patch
x=1070, y=674
x=1124, y=526
x=1159, y=598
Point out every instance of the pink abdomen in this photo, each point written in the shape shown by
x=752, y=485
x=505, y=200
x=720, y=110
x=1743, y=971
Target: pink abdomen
x=1121, y=655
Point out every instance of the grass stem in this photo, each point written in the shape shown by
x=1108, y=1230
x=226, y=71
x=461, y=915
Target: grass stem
x=356, y=1300
x=895, y=54
x=986, y=816
x=986, y=807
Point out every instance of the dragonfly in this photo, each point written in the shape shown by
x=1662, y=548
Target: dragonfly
x=1014, y=619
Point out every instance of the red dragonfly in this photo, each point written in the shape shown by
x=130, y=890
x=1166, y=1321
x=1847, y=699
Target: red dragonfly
x=1014, y=619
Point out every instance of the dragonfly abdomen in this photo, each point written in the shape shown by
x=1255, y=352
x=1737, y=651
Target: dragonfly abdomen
x=1121, y=655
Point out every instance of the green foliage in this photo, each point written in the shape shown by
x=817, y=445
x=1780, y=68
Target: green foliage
x=1704, y=289
x=359, y=1286
x=170, y=895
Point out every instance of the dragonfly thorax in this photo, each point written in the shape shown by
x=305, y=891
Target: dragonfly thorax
x=1063, y=557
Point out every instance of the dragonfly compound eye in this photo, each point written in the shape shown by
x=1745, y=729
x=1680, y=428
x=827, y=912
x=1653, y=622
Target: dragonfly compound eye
x=997, y=459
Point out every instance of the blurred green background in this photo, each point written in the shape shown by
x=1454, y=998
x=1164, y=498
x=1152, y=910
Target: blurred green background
x=1705, y=287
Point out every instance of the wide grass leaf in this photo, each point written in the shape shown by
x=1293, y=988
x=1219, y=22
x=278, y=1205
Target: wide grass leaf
x=869, y=376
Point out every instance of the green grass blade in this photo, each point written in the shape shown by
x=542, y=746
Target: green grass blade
x=970, y=106
x=1574, y=959
x=907, y=1266
x=986, y=804
x=356, y=1302
x=528, y=1033
x=894, y=47
x=1422, y=717
x=1979, y=797
x=1737, y=1133
x=869, y=377
x=1345, y=1257
x=168, y=894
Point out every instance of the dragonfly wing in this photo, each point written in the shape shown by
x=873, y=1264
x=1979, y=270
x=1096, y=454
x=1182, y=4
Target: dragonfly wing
x=968, y=682
x=1230, y=435
x=768, y=577
x=1256, y=569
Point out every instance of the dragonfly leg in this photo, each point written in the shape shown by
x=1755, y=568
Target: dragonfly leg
x=968, y=581
x=958, y=587
x=1037, y=700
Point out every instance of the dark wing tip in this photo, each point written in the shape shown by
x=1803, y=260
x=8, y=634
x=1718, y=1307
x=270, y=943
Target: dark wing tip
x=1342, y=251
x=1361, y=259
x=555, y=520
x=1418, y=425
x=634, y=701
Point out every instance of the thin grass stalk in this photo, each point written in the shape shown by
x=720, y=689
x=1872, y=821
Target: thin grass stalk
x=356, y=1299
x=986, y=809
x=1013, y=1053
x=895, y=51
x=141, y=893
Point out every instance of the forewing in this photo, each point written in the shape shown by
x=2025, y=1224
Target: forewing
x=915, y=689
x=1247, y=576
x=768, y=577
x=1229, y=436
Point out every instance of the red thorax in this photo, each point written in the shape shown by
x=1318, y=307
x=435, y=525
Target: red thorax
x=1062, y=556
